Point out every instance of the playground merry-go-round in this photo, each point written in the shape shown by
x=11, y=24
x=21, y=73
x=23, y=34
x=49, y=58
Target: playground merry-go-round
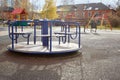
x=47, y=40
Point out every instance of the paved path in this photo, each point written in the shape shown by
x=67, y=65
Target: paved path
x=100, y=60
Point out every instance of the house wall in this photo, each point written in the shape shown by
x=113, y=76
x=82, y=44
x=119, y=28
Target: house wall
x=83, y=14
x=88, y=14
x=6, y=15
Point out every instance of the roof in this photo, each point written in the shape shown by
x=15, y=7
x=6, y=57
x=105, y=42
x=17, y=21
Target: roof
x=95, y=6
x=90, y=6
x=18, y=11
x=65, y=7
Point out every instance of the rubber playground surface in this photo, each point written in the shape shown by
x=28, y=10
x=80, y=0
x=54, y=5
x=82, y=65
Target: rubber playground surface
x=99, y=60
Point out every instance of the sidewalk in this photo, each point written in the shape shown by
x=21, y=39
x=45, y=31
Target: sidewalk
x=100, y=60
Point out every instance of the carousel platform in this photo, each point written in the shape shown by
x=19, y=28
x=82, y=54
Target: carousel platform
x=46, y=45
x=37, y=48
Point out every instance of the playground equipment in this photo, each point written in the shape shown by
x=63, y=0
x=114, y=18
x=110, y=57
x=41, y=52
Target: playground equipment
x=103, y=18
x=19, y=14
x=53, y=40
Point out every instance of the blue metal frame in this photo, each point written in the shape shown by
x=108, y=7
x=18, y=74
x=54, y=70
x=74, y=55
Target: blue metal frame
x=47, y=41
x=51, y=23
x=34, y=32
x=12, y=37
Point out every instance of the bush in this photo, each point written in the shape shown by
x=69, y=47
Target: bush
x=115, y=21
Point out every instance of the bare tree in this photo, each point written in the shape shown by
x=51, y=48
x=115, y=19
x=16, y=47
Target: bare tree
x=118, y=8
x=118, y=3
x=3, y=4
x=66, y=8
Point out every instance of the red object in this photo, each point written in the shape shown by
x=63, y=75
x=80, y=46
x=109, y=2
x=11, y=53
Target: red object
x=18, y=11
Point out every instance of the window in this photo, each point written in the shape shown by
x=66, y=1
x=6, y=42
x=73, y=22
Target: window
x=83, y=14
x=96, y=13
x=89, y=14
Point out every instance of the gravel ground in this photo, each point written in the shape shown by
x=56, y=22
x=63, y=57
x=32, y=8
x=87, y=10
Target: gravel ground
x=100, y=60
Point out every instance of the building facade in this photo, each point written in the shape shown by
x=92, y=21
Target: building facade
x=5, y=12
x=83, y=11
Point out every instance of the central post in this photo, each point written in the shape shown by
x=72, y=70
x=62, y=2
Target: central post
x=44, y=32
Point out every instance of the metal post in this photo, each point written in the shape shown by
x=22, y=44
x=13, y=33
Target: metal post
x=34, y=33
x=50, y=36
x=45, y=40
x=16, y=34
x=68, y=26
x=9, y=29
x=79, y=37
x=12, y=37
x=59, y=39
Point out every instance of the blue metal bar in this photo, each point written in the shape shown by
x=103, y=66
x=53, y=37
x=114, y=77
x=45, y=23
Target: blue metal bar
x=65, y=37
x=12, y=37
x=59, y=39
x=28, y=39
x=68, y=34
x=34, y=33
x=79, y=37
x=9, y=29
x=76, y=33
x=45, y=40
x=16, y=34
x=51, y=36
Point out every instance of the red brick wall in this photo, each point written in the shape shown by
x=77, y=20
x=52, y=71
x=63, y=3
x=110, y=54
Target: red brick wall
x=6, y=15
x=83, y=14
x=92, y=12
